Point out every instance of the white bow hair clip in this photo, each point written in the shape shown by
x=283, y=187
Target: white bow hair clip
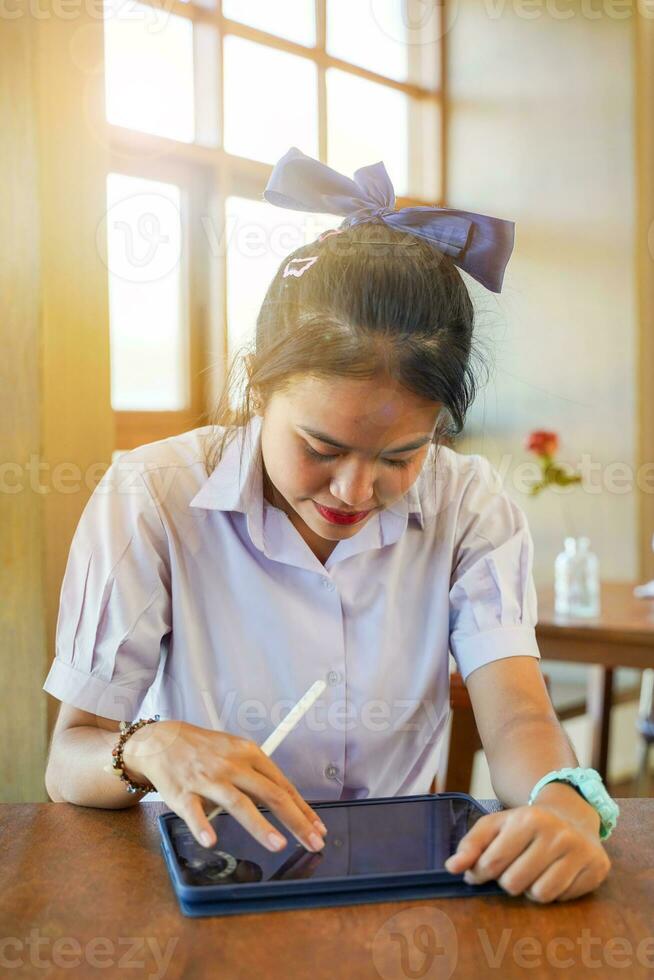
x=300, y=268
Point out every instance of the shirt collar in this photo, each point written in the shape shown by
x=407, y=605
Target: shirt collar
x=236, y=484
x=237, y=481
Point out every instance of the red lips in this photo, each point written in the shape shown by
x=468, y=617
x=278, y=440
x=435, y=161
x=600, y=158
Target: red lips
x=338, y=516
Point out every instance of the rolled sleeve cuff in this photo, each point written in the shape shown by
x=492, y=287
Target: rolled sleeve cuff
x=474, y=651
x=107, y=699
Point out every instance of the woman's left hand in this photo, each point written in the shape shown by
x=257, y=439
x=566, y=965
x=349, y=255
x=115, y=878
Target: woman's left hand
x=532, y=850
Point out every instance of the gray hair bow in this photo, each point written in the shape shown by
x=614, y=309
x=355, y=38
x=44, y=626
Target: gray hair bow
x=477, y=243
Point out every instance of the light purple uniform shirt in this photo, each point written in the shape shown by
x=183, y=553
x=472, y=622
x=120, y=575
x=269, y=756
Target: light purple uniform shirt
x=193, y=597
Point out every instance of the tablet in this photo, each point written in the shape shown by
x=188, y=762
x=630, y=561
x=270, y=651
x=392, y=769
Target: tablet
x=375, y=850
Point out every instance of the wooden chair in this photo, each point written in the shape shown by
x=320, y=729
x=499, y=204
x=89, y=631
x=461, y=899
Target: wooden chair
x=464, y=740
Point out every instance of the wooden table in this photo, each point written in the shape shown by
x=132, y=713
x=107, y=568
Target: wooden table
x=621, y=636
x=81, y=887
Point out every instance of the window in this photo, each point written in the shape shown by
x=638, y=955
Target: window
x=292, y=19
x=201, y=102
x=276, y=93
x=149, y=349
x=382, y=25
x=149, y=70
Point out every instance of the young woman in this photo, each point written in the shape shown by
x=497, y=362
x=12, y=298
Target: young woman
x=321, y=528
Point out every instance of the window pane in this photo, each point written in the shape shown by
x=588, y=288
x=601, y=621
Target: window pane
x=264, y=118
x=381, y=24
x=402, y=37
x=292, y=19
x=259, y=236
x=367, y=122
x=149, y=70
x=149, y=358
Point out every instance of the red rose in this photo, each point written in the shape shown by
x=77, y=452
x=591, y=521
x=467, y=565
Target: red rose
x=542, y=443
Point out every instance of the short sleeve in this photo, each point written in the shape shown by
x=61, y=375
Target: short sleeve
x=493, y=605
x=115, y=608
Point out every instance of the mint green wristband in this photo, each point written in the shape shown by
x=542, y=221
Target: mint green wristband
x=589, y=784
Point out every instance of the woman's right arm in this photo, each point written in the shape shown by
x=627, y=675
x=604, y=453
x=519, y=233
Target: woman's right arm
x=80, y=748
x=187, y=764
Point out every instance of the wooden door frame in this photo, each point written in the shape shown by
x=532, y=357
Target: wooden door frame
x=56, y=411
x=644, y=252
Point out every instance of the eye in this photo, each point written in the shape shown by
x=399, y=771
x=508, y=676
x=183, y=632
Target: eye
x=393, y=463
x=314, y=455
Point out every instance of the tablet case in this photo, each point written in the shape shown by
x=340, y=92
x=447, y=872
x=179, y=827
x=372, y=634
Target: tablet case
x=456, y=888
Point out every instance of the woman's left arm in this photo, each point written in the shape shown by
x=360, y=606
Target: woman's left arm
x=552, y=849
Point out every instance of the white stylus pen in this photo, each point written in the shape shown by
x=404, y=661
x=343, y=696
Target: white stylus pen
x=286, y=725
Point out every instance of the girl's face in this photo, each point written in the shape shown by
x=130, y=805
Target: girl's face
x=338, y=450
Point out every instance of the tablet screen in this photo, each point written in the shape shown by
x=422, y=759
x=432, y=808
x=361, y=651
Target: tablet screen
x=397, y=836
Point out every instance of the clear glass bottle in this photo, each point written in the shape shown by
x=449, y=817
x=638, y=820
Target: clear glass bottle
x=576, y=580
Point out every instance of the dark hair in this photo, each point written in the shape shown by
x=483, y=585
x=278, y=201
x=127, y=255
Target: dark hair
x=376, y=300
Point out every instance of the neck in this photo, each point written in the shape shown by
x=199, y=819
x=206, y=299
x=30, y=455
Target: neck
x=321, y=547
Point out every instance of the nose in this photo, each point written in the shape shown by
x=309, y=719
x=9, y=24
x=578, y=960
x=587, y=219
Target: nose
x=353, y=485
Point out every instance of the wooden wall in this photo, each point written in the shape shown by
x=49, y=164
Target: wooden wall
x=22, y=621
x=56, y=427
x=644, y=59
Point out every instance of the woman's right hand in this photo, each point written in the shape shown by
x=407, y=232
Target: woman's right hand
x=187, y=764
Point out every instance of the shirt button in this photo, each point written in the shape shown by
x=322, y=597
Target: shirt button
x=331, y=771
x=328, y=584
x=333, y=677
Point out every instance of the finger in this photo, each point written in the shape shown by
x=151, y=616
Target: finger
x=191, y=811
x=532, y=863
x=268, y=768
x=474, y=843
x=555, y=879
x=282, y=804
x=501, y=854
x=239, y=806
x=585, y=881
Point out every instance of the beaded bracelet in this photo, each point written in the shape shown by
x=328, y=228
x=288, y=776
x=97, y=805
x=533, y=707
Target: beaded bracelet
x=117, y=765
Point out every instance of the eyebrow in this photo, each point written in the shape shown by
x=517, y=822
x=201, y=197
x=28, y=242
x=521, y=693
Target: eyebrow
x=323, y=437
